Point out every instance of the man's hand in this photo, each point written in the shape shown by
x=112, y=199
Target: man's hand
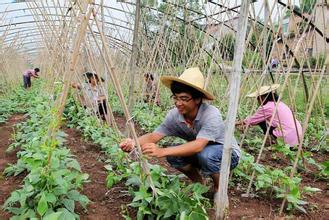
x=151, y=149
x=127, y=144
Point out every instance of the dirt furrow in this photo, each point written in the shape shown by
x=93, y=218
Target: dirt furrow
x=106, y=203
x=8, y=184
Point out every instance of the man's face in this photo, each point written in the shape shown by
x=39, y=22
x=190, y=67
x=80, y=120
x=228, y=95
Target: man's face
x=185, y=103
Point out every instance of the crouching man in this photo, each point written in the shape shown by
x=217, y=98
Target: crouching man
x=198, y=123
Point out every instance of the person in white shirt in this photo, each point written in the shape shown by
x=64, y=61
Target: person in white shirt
x=93, y=94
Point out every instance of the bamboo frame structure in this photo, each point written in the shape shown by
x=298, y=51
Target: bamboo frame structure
x=122, y=41
x=222, y=200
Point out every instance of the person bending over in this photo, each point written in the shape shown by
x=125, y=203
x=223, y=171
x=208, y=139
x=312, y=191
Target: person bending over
x=283, y=125
x=27, y=76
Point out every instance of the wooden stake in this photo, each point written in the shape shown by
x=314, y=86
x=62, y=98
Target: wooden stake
x=305, y=125
x=133, y=61
x=271, y=121
x=111, y=69
x=222, y=199
x=60, y=102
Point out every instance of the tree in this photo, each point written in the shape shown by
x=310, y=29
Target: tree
x=173, y=22
x=307, y=6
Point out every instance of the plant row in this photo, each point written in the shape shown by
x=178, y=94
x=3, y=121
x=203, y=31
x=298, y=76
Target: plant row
x=174, y=198
x=53, y=176
x=273, y=181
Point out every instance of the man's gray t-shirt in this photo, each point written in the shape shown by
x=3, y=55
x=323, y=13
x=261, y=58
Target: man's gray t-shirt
x=208, y=124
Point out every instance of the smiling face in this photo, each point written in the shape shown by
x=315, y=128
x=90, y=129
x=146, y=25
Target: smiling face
x=187, y=99
x=185, y=104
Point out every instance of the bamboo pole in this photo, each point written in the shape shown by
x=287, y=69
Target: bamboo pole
x=305, y=125
x=222, y=199
x=60, y=102
x=57, y=53
x=133, y=60
x=266, y=20
x=110, y=120
x=271, y=121
x=111, y=69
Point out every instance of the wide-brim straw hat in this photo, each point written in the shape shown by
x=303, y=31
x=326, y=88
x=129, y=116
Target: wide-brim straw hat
x=191, y=77
x=263, y=90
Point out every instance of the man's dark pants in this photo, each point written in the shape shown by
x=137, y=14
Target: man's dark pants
x=27, y=81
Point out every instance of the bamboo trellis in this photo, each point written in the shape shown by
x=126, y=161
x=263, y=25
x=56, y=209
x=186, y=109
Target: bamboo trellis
x=68, y=40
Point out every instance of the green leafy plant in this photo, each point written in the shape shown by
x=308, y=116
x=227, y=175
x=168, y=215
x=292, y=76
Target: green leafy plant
x=274, y=182
x=51, y=185
x=188, y=200
x=324, y=173
x=173, y=196
x=148, y=118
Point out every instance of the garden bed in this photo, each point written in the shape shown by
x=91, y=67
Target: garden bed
x=109, y=202
x=8, y=184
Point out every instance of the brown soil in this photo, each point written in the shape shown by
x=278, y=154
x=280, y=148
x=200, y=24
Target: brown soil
x=265, y=206
x=8, y=184
x=262, y=206
x=106, y=203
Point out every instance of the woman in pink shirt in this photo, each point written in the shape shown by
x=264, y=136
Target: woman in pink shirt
x=283, y=125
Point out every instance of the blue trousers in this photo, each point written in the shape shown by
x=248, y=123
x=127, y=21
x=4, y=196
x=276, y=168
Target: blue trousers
x=208, y=160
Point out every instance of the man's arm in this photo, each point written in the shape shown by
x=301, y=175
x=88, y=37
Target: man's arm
x=34, y=74
x=183, y=150
x=153, y=137
x=128, y=144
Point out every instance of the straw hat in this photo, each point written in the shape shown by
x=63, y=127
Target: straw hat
x=264, y=90
x=191, y=77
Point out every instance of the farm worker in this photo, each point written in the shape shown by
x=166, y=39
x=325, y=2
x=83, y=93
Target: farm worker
x=93, y=94
x=198, y=123
x=27, y=76
x=283, y=125
x=274, y=63
x=150, y=89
